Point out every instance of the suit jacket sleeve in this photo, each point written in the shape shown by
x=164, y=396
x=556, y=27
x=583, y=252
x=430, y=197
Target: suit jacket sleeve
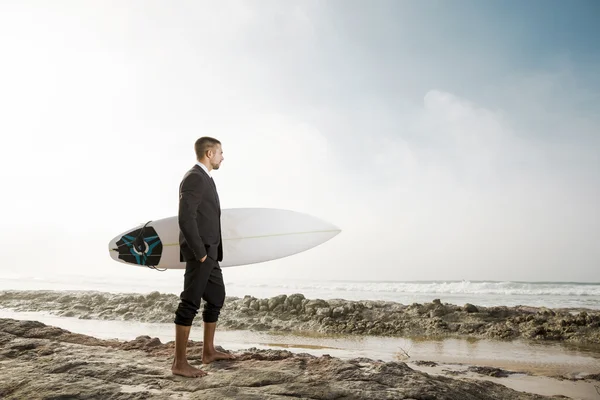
x=190, y=197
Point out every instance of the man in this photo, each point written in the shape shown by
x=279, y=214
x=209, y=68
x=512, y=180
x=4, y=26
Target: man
x=201, y=247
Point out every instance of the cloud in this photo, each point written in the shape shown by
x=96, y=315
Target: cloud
x=463, y=192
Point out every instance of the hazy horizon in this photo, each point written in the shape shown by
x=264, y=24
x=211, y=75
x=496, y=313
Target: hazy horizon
x=448, y=141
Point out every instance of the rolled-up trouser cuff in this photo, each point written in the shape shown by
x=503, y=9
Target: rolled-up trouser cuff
x=210, y=313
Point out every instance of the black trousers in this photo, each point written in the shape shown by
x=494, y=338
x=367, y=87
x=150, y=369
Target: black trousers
x=202, y=281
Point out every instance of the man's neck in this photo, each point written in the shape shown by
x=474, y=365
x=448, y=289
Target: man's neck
x=207, y=168
x=207, y=165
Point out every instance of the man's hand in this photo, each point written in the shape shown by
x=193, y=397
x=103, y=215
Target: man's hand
x=204, y=258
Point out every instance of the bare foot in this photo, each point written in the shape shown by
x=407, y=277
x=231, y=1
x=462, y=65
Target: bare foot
x=185, y=369
x=215, y=355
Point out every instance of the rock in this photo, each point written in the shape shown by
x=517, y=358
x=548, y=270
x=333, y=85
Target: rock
x=426, y=363
x=278, y=309
x=153, y=295
x=546, y=312
x=324, y=312
x=296, y=299
x=499, y=312
x=592, y=377
x=369, y=305
x=247, y=300
x=80, y=367
x=488, y=371
x=439, y=311
x=581, y=319
x=276, y=301
x=337, y=312
x=318, y=303
x=68, y=314
x=295, y=313
x=348, y=308
x=470, y=308
x=415, y=310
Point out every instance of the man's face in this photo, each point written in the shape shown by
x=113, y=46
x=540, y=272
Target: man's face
x=216, y=156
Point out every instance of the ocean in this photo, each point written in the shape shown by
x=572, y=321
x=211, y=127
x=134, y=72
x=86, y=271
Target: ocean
x=480, y=293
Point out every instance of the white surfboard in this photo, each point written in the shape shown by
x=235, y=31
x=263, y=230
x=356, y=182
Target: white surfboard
x=250, y=235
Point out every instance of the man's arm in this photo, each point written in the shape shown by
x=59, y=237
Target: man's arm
x=190, y=197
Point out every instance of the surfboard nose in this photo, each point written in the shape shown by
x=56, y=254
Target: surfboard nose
x=327, y=226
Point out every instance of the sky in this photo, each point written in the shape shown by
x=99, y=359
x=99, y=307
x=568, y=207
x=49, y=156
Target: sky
x=448, y=140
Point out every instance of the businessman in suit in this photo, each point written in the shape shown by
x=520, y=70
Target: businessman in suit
x=201, y=247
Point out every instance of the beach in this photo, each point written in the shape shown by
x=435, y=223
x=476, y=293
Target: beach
x=395, y=199
x=514, y=352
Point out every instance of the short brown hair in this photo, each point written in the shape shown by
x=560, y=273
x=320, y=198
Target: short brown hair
x=203, y=144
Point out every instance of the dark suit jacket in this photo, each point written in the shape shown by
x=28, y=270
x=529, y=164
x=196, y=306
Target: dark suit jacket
x=199, y=217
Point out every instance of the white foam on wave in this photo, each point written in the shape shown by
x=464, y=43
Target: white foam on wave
x=445, y=287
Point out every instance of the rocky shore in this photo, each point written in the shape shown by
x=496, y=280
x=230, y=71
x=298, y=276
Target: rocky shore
x=44, y=362
x=295, y=313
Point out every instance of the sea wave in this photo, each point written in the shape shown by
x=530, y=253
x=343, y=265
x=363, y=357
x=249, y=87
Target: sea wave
x=485, y=293
x=446, y=287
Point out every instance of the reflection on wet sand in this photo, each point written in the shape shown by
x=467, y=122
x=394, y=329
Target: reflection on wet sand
x=540, y=359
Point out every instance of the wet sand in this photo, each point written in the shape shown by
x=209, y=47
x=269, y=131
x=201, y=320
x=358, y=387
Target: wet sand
x=542, y=385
